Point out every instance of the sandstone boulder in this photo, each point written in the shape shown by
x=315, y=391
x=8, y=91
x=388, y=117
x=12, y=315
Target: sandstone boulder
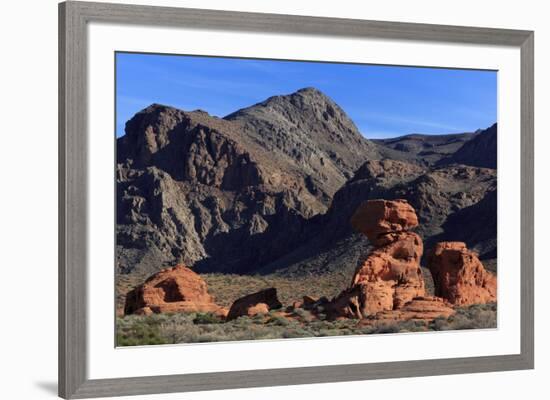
x=459, y=275
x=260, y=308
x=418, y=309
x=176, y=289
x=256, y=303
x=390, y=276
x=377, y=217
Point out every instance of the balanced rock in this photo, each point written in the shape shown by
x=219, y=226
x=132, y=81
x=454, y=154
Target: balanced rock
x=390, y=276
x=176, y=289
x=380, y=217
x=459, y=275
x=256, y=303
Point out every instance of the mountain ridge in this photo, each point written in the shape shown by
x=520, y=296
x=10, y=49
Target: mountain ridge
x=245, y=192
x=481, y=151
x=191, y=186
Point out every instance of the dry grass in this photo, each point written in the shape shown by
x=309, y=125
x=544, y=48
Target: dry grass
x=226, y=288
x=193, y=328
x=477, y=316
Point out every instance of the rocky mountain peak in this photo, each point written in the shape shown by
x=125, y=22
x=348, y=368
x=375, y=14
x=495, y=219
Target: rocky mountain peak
x=310, y=132
x=310, y=90
x=311, y=101
x=313, y=95
x=248, y=192
x=154, y=115
x=194, y=181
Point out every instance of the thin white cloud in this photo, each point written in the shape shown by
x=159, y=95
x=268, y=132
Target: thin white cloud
x=406, y=120
x=204, y=80
x=218, y=85
x=380, y=134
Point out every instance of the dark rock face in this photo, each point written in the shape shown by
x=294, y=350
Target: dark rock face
x=273, y=187
x=475, y=225
x=435, y=193
x=313, y=134
x=213, y=193
x=373, y=180
x=481, y=151
x=422, y=149
x=191, y=147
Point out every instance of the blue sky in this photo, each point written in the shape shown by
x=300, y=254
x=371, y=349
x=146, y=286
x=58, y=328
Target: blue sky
x=383, y=101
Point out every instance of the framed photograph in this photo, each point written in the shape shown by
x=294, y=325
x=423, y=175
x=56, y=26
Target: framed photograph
x=256, y=200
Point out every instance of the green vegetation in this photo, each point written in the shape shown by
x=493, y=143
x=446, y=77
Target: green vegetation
x=139, y=331
x=478, y=316
x=206, y=318
x=204, y=327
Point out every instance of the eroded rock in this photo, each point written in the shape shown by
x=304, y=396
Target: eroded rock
x=418, y=309
x=176, y=289
x=459, y=275
x=390, y=276
x=375, y=218
x=256, y=303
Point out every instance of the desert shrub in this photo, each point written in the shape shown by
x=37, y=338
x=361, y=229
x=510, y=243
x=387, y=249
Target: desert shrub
x=386, y=328
x=477, y=316
x=295, y=333
x=207, y=318
x=322, y=316
x=258, y=318
x=138, y=331
x=204, y=327
x=242, y=322
x=366, y=330
x=302, y=314
x=278, y=320
x=417, y=327
x=328, y=332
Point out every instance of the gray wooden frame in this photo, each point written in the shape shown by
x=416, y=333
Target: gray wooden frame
x=73, y=165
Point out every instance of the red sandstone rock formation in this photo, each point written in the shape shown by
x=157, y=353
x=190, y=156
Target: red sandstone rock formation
x=176, y=289
x=418, y=309
x=459, y=276
x=390, y=276
x=256, y=303
x=377, y=218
